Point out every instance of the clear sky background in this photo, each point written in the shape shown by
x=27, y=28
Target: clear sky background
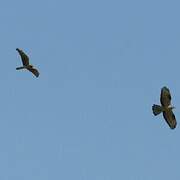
x=88, y=116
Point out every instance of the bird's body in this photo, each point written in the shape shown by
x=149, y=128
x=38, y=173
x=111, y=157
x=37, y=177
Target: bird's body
x=165, y=108
x=26, y=65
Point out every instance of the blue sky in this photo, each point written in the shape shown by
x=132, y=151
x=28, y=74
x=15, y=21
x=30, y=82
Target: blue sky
x=88, y=116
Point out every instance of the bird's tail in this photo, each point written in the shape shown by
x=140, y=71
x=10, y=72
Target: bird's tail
x=157, y=109
x=18, y=68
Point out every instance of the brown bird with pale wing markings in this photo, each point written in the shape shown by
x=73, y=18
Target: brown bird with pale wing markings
x=165, y=108
x=26, y=65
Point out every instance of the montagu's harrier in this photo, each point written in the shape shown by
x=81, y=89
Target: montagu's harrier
x=26, y=65
x=165, y=108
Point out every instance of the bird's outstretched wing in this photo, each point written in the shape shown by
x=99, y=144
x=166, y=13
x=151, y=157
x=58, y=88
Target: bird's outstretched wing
x=170, y=118
x=34, y=71
x=165, y=97
x=24, y=57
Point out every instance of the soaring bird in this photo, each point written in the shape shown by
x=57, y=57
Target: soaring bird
x=26, y=65
x=165, y=108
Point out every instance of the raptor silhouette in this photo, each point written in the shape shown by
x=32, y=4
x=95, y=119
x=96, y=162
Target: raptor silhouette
x=25, y=62
x=165, y=108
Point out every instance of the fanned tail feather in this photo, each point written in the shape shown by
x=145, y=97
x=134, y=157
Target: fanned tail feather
x=156, y=109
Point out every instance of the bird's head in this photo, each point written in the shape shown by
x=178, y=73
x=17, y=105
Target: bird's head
x=172, y=107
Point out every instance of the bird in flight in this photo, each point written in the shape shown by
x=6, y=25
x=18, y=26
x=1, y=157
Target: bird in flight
x=26, y=65
x=165, y=108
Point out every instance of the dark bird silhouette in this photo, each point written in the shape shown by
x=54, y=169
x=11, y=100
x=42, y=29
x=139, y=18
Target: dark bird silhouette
x=165, y=108
x=26, y=65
